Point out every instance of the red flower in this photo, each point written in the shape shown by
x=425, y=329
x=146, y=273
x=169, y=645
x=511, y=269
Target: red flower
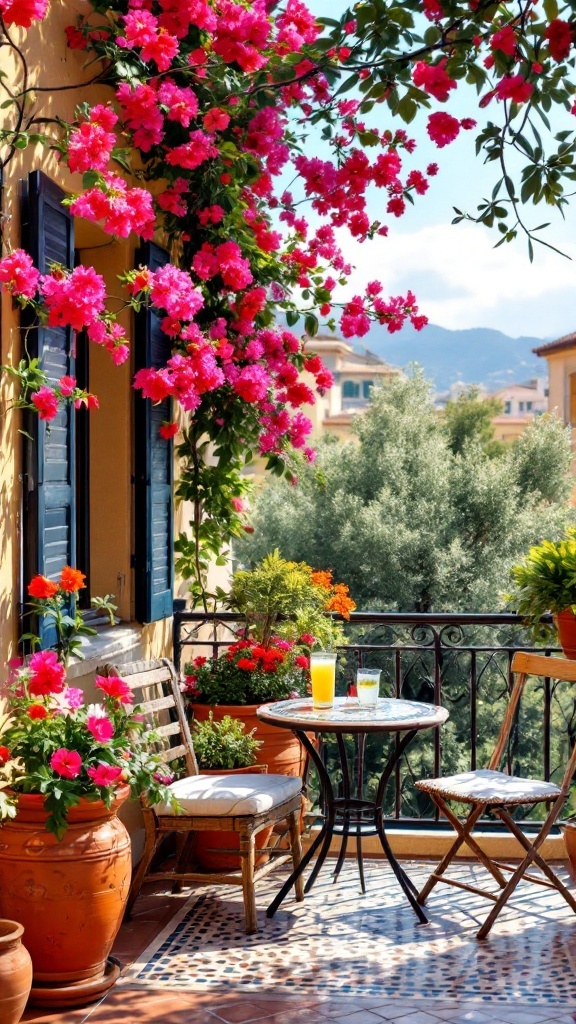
x=559, y=36
x=101, y=728
x=302, y=661
x=514, y=88
x=167, y=430
x=46, y=402
x=115, y=688
x=72, y=580
x=37, y=711
x=42, y=588
x=247, y=664
x=4, y=755
x=66, y=763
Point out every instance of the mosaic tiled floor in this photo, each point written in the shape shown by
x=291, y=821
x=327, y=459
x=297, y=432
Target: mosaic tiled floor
x=370, y=945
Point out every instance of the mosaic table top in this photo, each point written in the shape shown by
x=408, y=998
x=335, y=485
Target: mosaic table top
x=347, y=715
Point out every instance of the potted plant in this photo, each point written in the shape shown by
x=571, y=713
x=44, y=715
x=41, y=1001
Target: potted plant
x=546, y=582
x=286, y=607
x=15, y=962
x=224, y=748
x=71, y=767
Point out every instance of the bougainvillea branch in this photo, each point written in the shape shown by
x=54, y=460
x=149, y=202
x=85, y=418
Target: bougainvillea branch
x=215, y=102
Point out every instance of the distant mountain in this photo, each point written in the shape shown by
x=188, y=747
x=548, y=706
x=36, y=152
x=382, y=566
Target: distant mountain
x=478, y=355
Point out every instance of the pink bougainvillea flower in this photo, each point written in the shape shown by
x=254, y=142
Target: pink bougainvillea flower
x=45, y=401
x=504, y=40
x=514, y=88
x=442, y=128
x=101, y=727
x=105, y=774
x=115, y=688
x=19, y=275
x=433, y=79
x=73, y=299
x=66, y=763
x=47, y=675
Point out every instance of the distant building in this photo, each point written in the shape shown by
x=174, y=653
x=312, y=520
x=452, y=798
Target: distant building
x=355, y=374
x=521, y=403
x=561, y=358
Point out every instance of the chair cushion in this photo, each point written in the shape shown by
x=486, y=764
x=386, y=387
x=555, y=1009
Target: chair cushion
x=486, y=786
x=226, y=795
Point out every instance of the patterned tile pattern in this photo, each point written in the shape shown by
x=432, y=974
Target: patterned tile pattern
x=361, y=946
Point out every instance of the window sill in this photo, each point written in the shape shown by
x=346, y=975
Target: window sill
x=119, y=644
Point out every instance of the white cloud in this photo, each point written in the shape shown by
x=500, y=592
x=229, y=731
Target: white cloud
x=462, y=281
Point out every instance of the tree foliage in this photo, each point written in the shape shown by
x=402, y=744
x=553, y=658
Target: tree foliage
x=408, y=523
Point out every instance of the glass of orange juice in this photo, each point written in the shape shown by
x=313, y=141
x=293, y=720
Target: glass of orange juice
x=323, y=679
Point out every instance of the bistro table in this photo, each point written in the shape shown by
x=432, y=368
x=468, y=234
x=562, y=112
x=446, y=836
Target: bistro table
x=351, y=813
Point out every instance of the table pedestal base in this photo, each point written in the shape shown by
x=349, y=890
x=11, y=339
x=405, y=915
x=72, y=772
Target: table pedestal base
x=350, y=816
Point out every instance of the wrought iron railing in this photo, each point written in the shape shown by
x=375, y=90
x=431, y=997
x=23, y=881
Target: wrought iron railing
x=462, y=661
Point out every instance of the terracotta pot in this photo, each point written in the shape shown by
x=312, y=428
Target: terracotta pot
x=69, y=895
x=15, y=972
x=280, y=749
x=566, y=625
x=209, y=845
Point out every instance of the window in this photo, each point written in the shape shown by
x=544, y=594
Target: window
x=367, y=386
x=153, y=477
x=528, y=406
x=520, y=406
x=507, y=408
x=350, y=389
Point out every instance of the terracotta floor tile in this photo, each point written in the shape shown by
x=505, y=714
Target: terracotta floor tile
x=40, y=1016
x=241, y=1012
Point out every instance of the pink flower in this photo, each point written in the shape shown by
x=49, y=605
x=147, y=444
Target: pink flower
x=101, y=727
x=90, y=145
x=19, y=275
x=73, y=299
x=433, y=79
x=215, y=120
x=66, y=385
x=74, y=697
x=238, y=505
x=23, y=12
x=514, y=88
x=45, y=401
x=164, y=778
x=104, y=774
x=66, y=763
x=115, y=688
x=442, y=128
x=308, y=639
x=47, y=674
x=504, y=40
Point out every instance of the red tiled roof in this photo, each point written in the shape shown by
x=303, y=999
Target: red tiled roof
x=568, y=341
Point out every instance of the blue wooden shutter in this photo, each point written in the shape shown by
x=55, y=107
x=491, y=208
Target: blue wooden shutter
x=153, y=481
x=49, y=454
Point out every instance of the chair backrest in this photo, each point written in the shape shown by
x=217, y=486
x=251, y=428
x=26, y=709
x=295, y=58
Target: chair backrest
x=524, y=665
x=156, y=690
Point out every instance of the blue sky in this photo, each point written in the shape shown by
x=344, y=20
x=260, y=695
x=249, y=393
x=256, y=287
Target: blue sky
x=460, y=279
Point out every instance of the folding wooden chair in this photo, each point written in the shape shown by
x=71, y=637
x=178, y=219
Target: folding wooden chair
x=245, y=804
x=494, y=790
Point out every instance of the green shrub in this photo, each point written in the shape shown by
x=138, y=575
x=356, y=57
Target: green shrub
x=224, y=744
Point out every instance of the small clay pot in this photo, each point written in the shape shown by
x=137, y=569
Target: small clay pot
x=565, y=623
x=15, y=972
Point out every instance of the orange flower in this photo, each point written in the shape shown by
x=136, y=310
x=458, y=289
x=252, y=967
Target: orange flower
x=322, y=579
x=340, y=601
x=42, y=588
x=71, y=579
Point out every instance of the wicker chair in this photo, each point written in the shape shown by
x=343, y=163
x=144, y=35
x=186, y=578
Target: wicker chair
x=244, y=804
x=491, y=789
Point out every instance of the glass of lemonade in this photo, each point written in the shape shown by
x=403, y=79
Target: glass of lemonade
x=368, y=686
x=323, y=679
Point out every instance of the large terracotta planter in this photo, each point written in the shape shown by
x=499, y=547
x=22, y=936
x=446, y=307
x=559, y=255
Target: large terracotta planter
x=69, y=895
x=568, y=829
x=566, y=625
x=211, y=847
x=280, y=749
x=15, y=972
